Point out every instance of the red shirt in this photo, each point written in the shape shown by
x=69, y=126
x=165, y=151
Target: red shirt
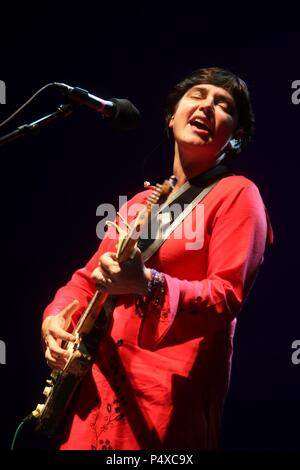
x=159, y=382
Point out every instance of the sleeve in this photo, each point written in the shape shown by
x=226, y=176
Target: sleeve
x=81, y=286
x=240, y=233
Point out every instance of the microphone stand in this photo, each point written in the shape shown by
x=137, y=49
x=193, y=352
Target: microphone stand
x=63, y=110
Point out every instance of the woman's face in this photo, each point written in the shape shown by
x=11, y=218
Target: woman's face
x=204, y=121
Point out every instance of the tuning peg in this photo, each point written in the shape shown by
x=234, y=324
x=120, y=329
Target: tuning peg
x=148, y=185
x=47, y=391
x=173, y=180
x=38, y=411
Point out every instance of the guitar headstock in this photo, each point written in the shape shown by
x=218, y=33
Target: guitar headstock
x=128, y=238
x=160, y=192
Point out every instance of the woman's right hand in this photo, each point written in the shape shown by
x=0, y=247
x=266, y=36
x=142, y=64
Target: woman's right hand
x=54, y=331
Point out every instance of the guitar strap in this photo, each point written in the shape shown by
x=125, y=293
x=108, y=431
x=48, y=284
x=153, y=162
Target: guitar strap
x=188, y=196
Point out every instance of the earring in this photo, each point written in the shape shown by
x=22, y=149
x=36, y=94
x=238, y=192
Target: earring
x=234, y=145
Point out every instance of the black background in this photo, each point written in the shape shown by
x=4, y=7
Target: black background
x=52, y=183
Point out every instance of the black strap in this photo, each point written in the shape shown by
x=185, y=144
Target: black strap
x=195, y=186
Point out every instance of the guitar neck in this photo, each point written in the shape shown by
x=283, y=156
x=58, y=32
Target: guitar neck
x=91, y=328
x=91, y=313
x=125, y=251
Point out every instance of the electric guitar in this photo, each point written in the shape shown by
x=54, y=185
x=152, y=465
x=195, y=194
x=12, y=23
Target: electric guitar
x=92, y=325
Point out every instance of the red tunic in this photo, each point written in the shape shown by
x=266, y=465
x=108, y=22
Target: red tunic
x=159, y=382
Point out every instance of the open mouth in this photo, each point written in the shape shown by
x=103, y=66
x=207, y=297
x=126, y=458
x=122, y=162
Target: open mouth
x=200, y=125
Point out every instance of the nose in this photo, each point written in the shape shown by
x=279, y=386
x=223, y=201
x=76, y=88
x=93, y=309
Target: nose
x=207, y=106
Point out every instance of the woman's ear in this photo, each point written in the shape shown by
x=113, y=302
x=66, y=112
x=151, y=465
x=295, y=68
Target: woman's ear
x=235, y=143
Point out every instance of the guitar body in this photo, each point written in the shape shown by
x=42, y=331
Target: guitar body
x=62, y=385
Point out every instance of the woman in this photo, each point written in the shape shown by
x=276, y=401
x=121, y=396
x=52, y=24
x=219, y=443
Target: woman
x=161, y=375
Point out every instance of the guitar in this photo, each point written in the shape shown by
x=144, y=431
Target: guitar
x=92, y=325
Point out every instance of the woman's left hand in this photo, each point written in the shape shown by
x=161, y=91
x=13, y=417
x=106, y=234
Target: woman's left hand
x=129, y=277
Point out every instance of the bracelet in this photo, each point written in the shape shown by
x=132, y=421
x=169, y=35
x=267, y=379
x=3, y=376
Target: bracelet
x=156, y=287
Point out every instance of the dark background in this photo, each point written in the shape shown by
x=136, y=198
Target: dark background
x=52, y=183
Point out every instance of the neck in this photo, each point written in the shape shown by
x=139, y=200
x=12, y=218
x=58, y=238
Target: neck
x=183, y=173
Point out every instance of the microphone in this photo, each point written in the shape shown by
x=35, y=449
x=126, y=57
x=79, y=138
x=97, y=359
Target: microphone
x=121, y=112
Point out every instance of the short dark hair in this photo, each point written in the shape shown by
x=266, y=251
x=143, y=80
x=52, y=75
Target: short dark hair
x=230, y=82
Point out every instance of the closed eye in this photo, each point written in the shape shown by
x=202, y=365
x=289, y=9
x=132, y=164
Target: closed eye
x=225, y=104
x=197, y=96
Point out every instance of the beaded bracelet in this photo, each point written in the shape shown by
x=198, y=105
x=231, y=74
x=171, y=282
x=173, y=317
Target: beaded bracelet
x=156, y=289
x=156, y=285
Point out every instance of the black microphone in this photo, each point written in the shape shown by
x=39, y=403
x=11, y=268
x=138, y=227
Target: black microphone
x=121, y=112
